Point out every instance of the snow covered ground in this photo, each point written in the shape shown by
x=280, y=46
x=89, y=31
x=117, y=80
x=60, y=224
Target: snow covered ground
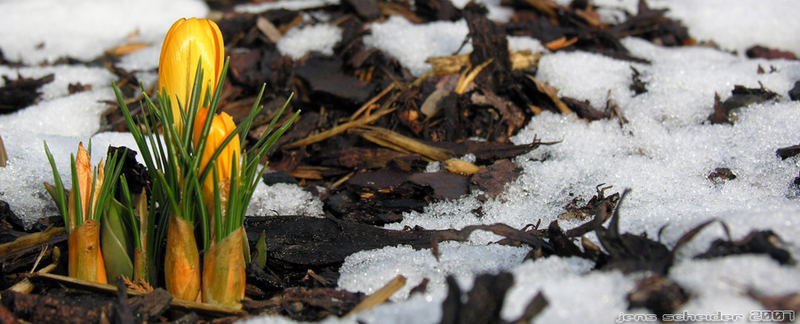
x=664, y=153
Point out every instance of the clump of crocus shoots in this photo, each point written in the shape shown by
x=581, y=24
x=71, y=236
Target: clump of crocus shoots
x=92, y=193
x=201, y=174
x=191, y=45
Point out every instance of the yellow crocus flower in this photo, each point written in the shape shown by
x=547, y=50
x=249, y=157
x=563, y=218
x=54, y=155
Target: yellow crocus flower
x=222, y=126
x=188, y=42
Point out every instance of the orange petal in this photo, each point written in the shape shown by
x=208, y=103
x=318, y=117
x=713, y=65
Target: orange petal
x=222, y=125
x=83, y=165
x=85, y=260
x=182, y=260
x=224, y=271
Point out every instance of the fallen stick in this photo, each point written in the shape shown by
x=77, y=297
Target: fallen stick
x=105, y=288
x=29, y=240
x=403, y=144
x=339, y=129
x=379, y=296
x=372, y=101
x=26, y=286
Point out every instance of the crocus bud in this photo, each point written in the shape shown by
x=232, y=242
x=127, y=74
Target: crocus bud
x=222, y=126
x=224, y=271
x=83, y=166
x=188, y=42
x=182, y=260
x=85, y=259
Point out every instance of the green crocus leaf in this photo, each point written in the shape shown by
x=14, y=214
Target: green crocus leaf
x=261, y=250
x=116, y=243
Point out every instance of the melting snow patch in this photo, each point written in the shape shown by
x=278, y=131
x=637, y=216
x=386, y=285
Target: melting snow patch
x=286, y=4
x=46, y=30
x=741, y=24
x=300, y=41
x=368, y=271
x=283, y=199
x=75, y=115
x=64, y=75
x=21, y=180
x=412, y=44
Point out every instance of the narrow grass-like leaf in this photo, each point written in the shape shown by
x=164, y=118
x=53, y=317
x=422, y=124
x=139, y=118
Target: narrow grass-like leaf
x=76, y=219
x=60, y=196
x=132, y=220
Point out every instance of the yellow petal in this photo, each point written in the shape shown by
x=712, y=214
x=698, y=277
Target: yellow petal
x=188, y=42
x=222, y=125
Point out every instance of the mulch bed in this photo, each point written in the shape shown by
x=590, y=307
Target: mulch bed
x=366, y=135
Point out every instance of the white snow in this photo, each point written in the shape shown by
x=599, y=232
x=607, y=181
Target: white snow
x=299, y=41
x=412, y=44
x=285, y=4
x=496, y=11
x=38, y=31
x=519, y=43
x=368, y=271
x=738, y=24
x=664, y=153
x=64, y=75
x=283, y=199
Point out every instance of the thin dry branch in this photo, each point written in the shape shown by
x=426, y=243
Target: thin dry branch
x=29, y=241
x=403, y=144
x=110, y=289
x=380, y=296
x=339, y=129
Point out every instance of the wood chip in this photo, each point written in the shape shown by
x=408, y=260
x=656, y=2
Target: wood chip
x=126, y=49
x=3, y=154
x=552, y=93
x=561, y=43
x=461, y=167
x=268, y=29
x=467, y=80
x=445, y=65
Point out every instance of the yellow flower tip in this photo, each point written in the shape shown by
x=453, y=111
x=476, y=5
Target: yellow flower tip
x=222, y=125
x=188, y=42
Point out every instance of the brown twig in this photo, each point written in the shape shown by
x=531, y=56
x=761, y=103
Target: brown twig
x=29, y=241
x=379, y=296
x=110, y=289
x=372, y=101
x=402, y=144
x=338, y=129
